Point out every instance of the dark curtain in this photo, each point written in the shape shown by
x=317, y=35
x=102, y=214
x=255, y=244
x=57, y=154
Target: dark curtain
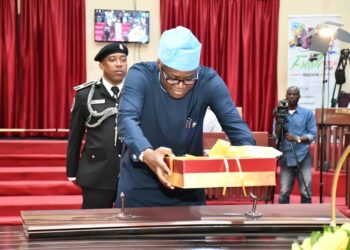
x=8, y=62
x=239, y=39
x=52, y=54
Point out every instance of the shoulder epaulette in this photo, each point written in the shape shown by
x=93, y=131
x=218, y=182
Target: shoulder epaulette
x=86, y=84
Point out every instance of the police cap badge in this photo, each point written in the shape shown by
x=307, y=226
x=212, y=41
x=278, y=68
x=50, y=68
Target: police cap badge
x=111, y=49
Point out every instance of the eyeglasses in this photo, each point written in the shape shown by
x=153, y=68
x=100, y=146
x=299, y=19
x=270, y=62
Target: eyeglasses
x=174, y=81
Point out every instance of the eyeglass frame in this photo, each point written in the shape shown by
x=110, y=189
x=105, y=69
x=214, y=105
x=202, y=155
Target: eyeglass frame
x=167, y=78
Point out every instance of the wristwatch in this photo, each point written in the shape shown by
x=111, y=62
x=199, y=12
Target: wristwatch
x=298, y=139
x=141, y=156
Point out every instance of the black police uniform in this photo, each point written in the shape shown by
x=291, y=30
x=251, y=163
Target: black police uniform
x=97, y=169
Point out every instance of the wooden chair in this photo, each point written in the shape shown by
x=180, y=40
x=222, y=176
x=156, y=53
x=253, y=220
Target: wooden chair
x=336, y=137
x=336, y=127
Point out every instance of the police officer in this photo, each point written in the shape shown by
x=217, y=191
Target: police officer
x=93, y=115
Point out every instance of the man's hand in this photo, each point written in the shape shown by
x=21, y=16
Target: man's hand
x=290, y=137
x=155, y=161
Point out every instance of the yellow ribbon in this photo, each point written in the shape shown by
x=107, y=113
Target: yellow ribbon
x=227, y=168
x=241, y=177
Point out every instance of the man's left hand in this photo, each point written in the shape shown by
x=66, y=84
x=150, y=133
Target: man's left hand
x=290, y=137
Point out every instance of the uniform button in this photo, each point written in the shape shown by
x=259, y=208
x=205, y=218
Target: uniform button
x=134, y=156
x=119, y=155
x=93, y=156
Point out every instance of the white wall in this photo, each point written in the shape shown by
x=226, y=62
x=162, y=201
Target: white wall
x=311, y=7
x=137, y=52
x=146, y=52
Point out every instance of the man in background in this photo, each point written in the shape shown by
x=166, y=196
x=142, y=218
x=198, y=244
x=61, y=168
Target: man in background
x=93, y=115
x=161, y=113
x=298, y=132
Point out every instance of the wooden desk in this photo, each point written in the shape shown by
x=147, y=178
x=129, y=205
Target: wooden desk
x=184, y=221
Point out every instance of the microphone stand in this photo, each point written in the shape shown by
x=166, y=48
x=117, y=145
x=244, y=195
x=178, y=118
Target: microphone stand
x=322, y=126
x=322, y=45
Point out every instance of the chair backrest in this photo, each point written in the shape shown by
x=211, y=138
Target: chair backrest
x=210, y=138
x=336, y=132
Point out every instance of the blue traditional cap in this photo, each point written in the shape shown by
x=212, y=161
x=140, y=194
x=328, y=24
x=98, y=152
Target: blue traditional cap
x=111, y=49
x=179, y=49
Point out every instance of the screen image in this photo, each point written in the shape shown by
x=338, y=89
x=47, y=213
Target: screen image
x=122, y=26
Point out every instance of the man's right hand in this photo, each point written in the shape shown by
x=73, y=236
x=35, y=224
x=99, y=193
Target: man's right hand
x=155, y=161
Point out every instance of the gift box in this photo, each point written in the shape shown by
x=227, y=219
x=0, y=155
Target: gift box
x=204, y=172
x=238, y=166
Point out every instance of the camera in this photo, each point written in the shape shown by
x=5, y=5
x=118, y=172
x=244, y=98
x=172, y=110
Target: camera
x=281, y=112
x=281, y=117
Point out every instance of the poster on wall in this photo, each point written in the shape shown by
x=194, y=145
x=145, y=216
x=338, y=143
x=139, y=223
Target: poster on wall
x=305, y=66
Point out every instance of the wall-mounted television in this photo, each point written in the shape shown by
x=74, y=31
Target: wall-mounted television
x=127, y=26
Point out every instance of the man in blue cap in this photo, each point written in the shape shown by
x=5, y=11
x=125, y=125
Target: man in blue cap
x=161, y=113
